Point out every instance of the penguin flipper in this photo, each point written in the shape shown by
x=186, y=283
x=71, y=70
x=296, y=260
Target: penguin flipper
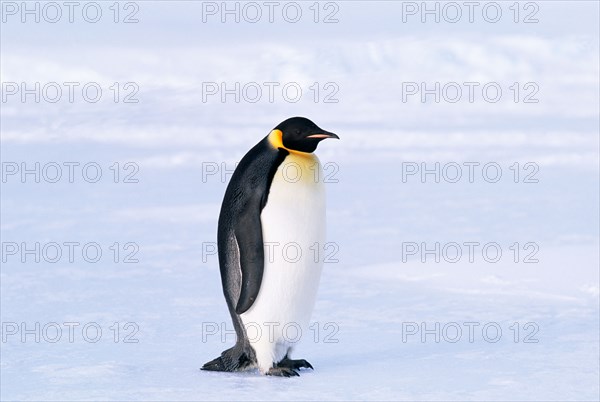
x=248, y=234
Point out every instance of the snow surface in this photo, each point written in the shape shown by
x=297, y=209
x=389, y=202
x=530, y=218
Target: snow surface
x=370, y=297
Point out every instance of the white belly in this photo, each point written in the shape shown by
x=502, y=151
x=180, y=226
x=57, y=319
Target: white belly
x=293, y=225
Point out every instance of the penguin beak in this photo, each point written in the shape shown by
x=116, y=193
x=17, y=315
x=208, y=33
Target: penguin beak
x=323, y=135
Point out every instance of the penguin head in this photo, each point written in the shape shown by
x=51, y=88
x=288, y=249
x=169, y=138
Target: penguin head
x=301, y=134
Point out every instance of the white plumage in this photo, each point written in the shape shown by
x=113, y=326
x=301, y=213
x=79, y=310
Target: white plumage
x=293, y=225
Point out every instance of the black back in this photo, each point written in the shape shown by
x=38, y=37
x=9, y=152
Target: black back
x=240, y=241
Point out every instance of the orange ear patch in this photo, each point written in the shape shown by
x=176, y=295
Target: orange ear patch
x=276, y=139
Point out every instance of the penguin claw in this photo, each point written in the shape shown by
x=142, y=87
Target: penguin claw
x=282, y=372
x=295, y=364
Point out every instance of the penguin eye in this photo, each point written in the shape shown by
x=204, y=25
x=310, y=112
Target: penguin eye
x=297, y=131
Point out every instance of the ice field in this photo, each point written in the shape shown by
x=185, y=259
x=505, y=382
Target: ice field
x=463, y=223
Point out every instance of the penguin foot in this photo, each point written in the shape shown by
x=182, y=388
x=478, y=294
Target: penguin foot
x=217, y=364
x=294, y=364
x=234, y=359
x=282, y=372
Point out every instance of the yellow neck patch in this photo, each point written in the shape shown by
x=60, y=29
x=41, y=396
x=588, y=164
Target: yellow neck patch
x=276, y=140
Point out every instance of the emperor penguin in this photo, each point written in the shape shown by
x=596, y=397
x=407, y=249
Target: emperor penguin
x=272, y=218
